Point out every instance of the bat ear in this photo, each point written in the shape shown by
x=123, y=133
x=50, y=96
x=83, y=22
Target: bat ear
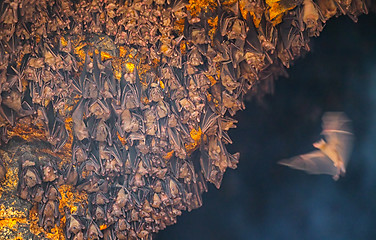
x=320, y=144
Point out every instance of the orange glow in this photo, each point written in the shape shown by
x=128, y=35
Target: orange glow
x=27, y=131
x=196, y=6
x=179, y=25
x=79, y=51
x=169, y=155
x=209, y=97
x=11, y=181
x=145, y=100
x=63, y=42
x=122, y=52
x=196, y=136
x=183, y=47
x=11, y=213
x=213, y=22
x=277, y=9
x=161, y=84
x=212, y=80
x=116, y=68
x=105, y=56
x=129, y=67
x=122, y=140
x=103, y=227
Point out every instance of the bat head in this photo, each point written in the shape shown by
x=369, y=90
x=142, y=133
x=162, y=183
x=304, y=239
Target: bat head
x=320, y=144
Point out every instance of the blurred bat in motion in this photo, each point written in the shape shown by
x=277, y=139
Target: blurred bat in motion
x=333, y=152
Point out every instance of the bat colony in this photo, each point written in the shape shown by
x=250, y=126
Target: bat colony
x=148, y=136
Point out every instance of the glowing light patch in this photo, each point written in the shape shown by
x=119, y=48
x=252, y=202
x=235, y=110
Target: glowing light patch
x=161, y=84
x=129, y=67
x=196, y=136
x=103, y=227
x=169, y=155
x=277, y=9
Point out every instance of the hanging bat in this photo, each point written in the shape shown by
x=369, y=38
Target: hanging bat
x=121, y=227
x=73, y=224
x=93, y=231
x=333, y=152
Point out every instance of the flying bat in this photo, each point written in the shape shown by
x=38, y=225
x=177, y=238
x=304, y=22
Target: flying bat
x=333, y=151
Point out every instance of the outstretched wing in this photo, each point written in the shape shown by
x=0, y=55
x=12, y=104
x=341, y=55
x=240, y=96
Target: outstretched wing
x=314, y=162
x=337, y=130
x=336, y=121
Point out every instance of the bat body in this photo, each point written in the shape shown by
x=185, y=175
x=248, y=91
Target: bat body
x=333, y=152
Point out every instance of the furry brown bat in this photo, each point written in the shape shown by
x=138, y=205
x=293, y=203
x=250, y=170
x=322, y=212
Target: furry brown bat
x=49, y=214
x=73, y=224
x=93, y=232
x=50, y=173
x=99, y=213
x=57, y=133
x=100, y=198
x=31, y=177
x=121, y=228
x=79, y=126
x=71, y=175
x=37, y=194
x=51, y=193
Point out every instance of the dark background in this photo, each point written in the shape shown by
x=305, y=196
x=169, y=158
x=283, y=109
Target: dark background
x=262, y=200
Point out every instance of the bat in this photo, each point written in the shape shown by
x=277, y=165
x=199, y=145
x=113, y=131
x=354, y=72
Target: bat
x=100, y=199
x=267, y=35
x=356, y=8
x=71, y=175
x=49, y=172
x=57, y=133
x=175, y=188
x=333, y=153
x=93, y=231
x=205, y=164
x=37, y=194
x=312, y=17
x=121, y=227
x=73, y=224
x=79, y=127
x=30, y=177
x=328, y=8
x=99, y=213
x=209, y=119
x=49, y=215
x=51, y=193
x=108, y=234
x=89, y=184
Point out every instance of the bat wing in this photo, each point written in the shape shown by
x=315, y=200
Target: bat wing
x=337, y=130
x=337, y=122
x=341, y=143
x=314, y=162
